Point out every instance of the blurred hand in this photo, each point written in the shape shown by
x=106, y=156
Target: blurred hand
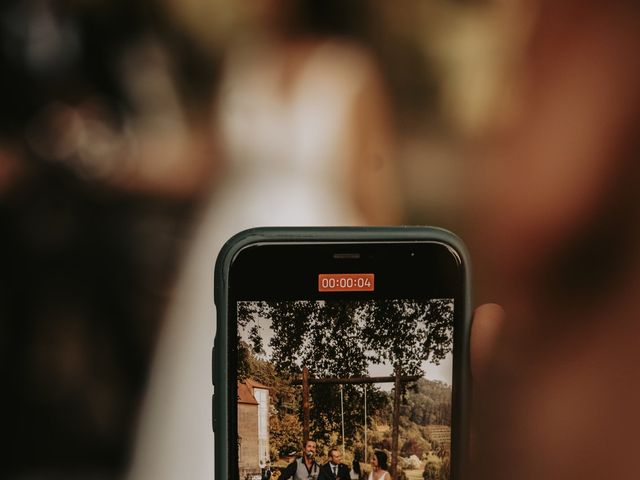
x=488, y=321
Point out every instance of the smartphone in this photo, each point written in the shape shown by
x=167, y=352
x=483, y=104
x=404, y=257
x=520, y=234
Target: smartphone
x=339, y=351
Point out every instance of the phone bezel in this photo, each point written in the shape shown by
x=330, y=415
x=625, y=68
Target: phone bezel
x=243, y=247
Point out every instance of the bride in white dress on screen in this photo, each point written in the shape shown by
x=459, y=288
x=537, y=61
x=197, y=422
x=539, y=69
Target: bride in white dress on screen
x=308, y=141
x=379, y=466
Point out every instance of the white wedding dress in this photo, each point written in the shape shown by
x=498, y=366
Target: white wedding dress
x=288, y=164
x=385, y=476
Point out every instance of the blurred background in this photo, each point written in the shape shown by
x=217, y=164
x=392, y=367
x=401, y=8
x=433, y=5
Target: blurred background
x=130, y=129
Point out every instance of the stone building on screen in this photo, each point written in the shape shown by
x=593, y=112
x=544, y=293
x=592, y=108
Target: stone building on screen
x=253, y=427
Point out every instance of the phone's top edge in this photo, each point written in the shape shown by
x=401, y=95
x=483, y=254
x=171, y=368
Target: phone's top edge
x=259, y=235
x=341, y=233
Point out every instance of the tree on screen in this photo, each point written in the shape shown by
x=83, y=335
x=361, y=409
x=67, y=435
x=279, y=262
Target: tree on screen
x=341, y=339
x=405, y=333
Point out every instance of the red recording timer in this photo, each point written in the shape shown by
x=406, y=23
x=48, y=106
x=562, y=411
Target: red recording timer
x=346, y=282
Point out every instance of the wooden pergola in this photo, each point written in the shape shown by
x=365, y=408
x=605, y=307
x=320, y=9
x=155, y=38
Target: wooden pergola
x=397, y=379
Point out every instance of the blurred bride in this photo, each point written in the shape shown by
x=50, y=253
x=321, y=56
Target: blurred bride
x=307, y=138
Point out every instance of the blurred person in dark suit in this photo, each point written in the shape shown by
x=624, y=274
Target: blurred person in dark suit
x=334, y=468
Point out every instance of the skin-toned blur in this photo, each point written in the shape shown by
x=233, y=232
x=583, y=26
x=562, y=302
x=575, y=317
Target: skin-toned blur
x=555, y=239
x=135, y=135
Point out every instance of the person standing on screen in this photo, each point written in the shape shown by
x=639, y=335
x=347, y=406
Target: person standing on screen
x=334, y=468
x=379, y=466
x=305, y=467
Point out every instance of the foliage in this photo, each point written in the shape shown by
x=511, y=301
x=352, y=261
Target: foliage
x=428, y=403
x=285, y=431
x=437, y=468
x=445, y=469
x=414, y=445
x=432, y=468
x=341, y=339
x=405, y=333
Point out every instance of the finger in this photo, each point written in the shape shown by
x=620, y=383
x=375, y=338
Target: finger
x=488, y=321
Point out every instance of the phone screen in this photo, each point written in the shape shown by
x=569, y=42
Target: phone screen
x=345, y=360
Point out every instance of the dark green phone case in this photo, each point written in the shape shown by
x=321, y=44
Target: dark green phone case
x=220, y=355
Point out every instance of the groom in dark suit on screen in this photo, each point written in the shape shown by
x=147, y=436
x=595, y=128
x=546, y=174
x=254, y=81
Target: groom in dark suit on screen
x=334, y=468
